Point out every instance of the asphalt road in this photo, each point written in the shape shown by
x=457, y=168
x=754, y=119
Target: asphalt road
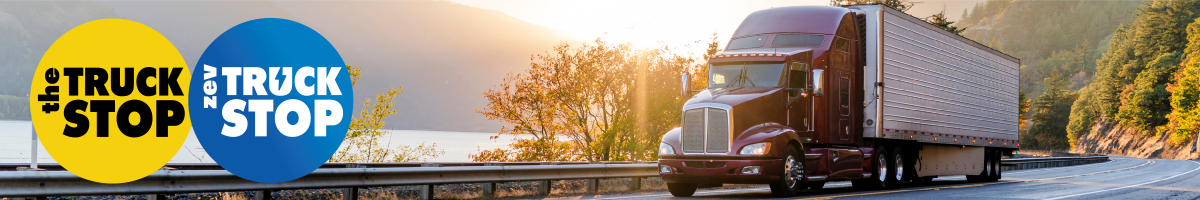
x=1121, y=178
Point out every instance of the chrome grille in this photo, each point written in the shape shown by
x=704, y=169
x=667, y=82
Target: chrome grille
x=693, y=131
x=718, y=131
x=705, y=130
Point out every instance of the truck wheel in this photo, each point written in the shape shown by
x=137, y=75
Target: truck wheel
x=899, y=167
x=793, y=176
x=879, y=171
x=995, y=166
x=681, y=189
x=989, y=168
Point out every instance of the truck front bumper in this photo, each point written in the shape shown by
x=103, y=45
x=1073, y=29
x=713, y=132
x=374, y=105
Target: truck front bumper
x=720, y=171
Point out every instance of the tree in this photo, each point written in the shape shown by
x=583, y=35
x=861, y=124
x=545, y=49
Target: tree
x=595, y=102
x=366, y=130
x=1146, y=102
x=1083, y=116
x=1022, y=109
x=939, y=20
x=1184, y=120
x=1047, y=129
x=901, y=5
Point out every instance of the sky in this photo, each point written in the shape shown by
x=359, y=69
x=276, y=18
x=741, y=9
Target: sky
x=675, y=23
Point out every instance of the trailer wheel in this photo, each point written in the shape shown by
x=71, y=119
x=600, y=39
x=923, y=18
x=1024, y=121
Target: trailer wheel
x=995, y=165
x=901, y=168
x=681, y=189
x=793, y=177
x=986, y=174
x=879, y=171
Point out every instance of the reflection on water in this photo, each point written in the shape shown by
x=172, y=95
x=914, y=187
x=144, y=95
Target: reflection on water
x=15, y=140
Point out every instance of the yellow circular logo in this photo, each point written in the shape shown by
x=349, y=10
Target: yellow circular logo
x=109, y=101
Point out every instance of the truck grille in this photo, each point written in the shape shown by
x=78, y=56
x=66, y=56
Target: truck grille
x=705, y=130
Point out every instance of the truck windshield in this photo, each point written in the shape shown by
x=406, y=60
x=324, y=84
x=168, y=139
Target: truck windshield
x=745, y=74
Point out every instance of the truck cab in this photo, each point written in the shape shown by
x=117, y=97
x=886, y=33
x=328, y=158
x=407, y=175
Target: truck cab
x=784, y=106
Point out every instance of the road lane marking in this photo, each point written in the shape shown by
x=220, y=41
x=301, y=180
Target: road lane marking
x=697, y=193
x=838, y=184
x=909, y=190
x=1140, y=184
x=974, y=185
x=1167, y=188
x=1148, y=162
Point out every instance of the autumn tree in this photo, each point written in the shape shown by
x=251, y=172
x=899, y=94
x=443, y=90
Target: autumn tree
x=1184, y=119
x=366, y=130
x=596, y=102
x=1022, y=109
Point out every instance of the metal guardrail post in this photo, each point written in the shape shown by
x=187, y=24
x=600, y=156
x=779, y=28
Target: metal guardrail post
x=543, y=187
x=593, y=185
x=350, y=193
x=635, y=184
x=262, y=195
x=156, y=197
x=489, y=189
x=427, y=192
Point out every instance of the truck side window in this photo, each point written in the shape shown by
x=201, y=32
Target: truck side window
x=841, y=44
x=844, y=92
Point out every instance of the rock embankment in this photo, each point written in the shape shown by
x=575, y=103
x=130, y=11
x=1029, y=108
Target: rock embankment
x=1107, y=137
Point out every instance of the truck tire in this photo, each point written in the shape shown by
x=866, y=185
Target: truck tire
x=879, y=171
x=990, y=168
x=793, y=175
x=681, y=189
x=995, y=166
x=900, y=168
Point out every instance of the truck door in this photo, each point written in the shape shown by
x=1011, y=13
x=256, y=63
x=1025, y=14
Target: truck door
x=839, y=82
x=800, y=108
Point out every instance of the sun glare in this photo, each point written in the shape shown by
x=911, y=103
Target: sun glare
x=644, y=24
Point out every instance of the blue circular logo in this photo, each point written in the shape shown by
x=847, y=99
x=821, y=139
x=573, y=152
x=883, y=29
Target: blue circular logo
x=273, y=101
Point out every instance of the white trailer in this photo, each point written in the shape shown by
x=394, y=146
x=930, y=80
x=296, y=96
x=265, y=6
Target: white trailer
x=936, y=88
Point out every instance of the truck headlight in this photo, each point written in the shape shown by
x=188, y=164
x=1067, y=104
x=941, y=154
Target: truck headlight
x=755, y=149
x=665, y=149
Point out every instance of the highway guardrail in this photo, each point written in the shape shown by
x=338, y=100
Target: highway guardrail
x=1044, y=162
x=207, y=177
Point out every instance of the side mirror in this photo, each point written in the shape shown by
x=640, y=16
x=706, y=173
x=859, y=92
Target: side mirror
x=818, y=88
x=683, y=89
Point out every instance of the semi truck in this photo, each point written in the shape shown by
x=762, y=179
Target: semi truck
x=805, y=95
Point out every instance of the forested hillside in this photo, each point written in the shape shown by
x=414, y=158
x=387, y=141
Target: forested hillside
x=1059, y=43
x=1139, y=84
x=1120, y=75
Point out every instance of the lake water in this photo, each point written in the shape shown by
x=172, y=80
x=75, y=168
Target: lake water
x=15, y=138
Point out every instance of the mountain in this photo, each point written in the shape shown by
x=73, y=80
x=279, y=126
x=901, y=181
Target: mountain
x=443, y=54
x=26, y=30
